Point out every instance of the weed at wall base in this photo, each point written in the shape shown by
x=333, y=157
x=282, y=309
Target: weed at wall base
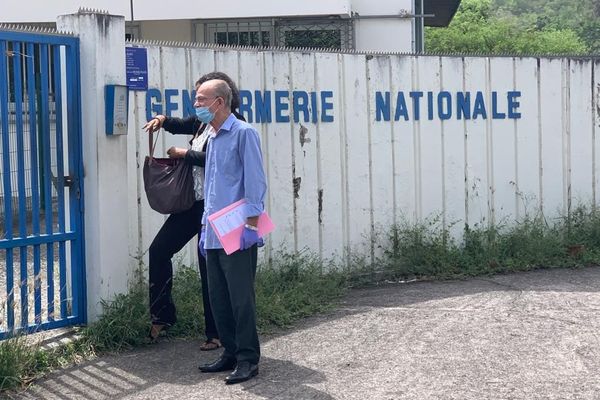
x=427, y=249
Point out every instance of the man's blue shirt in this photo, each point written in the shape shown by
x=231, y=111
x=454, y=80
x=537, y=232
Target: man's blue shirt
x=233, y=171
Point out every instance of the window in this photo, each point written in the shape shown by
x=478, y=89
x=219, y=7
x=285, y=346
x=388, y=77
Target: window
x=132, y=31
x=321, y=33
x=241, y=33
x=324, y=33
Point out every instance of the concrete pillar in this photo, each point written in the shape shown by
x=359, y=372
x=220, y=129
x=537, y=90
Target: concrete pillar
x=102, y=58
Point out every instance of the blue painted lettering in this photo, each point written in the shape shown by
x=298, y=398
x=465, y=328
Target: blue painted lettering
x=416, y=96
x=326, y=106
x=463, y=105
x=479, y=107
x=300, y=103
x=495, y=113
x=263, y=106
x=169, y=105
x=188, y=99
x=153, y=108
x=430, y=105
x=513, y=104
x=401, y=110
x=246, y=105
x=281, y=105
x=447, y=113
x=382, y=106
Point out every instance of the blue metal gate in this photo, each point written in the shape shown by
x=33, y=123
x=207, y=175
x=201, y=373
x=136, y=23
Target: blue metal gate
x=42, y=270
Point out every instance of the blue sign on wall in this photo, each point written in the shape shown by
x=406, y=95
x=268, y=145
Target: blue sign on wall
x=136, y=65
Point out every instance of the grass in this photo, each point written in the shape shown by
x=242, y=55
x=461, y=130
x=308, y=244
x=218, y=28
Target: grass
x=295, y=286
x=427, y=250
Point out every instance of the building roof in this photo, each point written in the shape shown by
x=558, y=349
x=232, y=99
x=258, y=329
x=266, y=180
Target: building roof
x=443, y=10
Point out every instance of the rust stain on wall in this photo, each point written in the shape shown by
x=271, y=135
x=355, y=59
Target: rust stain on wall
x=304, y=135
x=320, y=201
x=297, y=181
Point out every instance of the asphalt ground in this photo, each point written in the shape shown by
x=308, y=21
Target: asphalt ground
x=527, y=335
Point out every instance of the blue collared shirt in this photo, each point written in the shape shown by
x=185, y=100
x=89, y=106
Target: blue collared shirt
x=233, y=171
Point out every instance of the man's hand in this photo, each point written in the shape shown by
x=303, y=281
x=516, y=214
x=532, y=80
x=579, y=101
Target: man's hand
x=249, y=238
x=202, y=242
x=154, y=124
x=176, y=152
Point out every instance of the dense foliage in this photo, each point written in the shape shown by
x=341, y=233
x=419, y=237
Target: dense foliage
x=520, y=27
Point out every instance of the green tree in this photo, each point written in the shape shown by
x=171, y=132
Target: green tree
x=582, y=16
x=486, y=27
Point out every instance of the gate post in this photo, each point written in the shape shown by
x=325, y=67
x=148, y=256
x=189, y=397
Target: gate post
x=102, y=61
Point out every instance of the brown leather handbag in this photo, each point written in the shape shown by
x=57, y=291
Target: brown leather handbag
x=168, y=182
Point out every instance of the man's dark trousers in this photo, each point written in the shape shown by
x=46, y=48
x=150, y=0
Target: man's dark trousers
x=231, y=290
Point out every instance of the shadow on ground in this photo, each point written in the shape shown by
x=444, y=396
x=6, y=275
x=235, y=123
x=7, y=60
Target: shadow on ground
x=524, y=335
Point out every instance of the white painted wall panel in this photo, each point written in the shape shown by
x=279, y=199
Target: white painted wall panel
x=404, y=78
x=476, y=147
x=281, y=142
x=581, y=139
x=380, y=149
x=552, y=131
x=330, y=168
x=452, y=131
x=596, y=129
x=502, y=145
x=429, y=142
x=527, y=133
x=304, y=136
x=358, y=190
x=355, y=175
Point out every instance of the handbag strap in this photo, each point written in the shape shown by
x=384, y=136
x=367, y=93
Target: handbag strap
x=152, y=144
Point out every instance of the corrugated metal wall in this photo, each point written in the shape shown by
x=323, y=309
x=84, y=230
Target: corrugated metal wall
x=334, y=185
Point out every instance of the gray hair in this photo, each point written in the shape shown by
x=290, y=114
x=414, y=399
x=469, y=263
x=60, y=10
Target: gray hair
x=222, y=89
x=235, y=92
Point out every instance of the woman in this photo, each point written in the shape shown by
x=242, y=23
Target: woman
x=179, y=228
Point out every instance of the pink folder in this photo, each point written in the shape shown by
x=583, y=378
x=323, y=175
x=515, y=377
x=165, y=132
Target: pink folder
x=228, y=223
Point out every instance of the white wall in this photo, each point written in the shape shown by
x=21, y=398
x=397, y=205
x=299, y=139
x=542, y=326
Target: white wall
x=380, y=34
x=385, y=35
x=148, y=10
x=359, y=175
x=174, y=22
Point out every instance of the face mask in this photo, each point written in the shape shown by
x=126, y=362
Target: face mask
x=204, y=114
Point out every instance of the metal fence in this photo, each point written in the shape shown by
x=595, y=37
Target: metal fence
x=41, y=241
x=13, y=151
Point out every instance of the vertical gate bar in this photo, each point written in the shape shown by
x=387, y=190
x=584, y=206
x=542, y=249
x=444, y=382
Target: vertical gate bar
x=78, y=281
x=35, y=190
x=8, y=222
x=47, y=177
x=18, y=91
x=60, y=187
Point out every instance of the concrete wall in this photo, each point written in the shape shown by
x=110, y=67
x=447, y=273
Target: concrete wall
x=528, y=143
x=175, y=22
x=156, y=10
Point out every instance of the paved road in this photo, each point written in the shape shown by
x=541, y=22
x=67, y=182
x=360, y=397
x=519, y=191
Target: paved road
x=519, y=336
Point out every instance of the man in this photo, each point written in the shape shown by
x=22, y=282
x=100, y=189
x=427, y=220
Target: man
x=233, y=171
